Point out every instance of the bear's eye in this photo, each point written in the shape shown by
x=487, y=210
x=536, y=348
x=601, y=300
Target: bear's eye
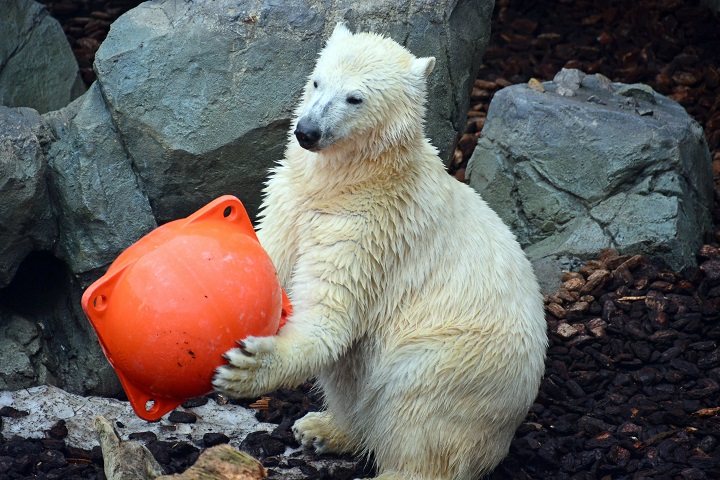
x=315, y=84
x=354, y=100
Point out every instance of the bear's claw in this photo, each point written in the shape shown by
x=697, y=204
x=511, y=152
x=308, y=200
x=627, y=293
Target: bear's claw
x=247, y=371
x=318, y=430
x=310, y=441
x=243, y=348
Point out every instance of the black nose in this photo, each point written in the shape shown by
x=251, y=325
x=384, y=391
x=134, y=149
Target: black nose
x=307, y=134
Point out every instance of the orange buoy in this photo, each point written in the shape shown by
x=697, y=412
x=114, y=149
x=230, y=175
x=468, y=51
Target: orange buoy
x=176, y=300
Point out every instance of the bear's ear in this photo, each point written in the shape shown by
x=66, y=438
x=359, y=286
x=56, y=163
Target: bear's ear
x=341, y=31
x=423, y=66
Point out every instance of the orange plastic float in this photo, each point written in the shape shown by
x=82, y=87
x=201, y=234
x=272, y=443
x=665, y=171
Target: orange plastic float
x=176, y=300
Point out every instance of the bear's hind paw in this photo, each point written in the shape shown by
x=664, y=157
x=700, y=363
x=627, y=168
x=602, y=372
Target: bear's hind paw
x=318, y=430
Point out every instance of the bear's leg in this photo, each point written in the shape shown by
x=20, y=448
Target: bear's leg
x=264, y=364
x=319, y=430
x=432, y=410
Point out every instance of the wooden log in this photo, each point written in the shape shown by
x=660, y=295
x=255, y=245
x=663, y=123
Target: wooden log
x=124, y=460
x=127, y=460
x=222, y=462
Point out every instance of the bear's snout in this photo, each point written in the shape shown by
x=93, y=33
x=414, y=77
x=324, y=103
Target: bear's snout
x=308, y=134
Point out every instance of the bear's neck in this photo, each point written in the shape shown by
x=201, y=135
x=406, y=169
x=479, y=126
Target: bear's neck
x=342, y=167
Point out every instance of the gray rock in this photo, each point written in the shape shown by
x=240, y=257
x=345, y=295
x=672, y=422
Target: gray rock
x=71, y=195
x=81, y=365
x=26, y=218
x=639, y=91
x=34, y=49
x=20, y=343
x=609, y=166
x=567, y=82
x=203, y=93
x=100, y=205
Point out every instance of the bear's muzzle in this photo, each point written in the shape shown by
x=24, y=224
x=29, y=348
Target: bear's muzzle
x=308, y=134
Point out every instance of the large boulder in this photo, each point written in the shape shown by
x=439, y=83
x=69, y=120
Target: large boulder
x=193, y=101
x=580, y=164
x=203, y=93
x=37, y=66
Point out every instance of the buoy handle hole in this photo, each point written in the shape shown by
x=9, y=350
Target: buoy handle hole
x=151, y=406
x=100, y=303
x=228, y=212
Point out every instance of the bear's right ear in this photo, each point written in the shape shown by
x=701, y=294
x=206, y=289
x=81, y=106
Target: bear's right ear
x=341, y=31
x=423, y=66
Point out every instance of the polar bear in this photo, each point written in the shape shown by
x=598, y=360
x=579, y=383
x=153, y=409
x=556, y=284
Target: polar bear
x=414, y=306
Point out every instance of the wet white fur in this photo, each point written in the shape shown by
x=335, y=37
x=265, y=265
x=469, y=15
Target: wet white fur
x=414, y=305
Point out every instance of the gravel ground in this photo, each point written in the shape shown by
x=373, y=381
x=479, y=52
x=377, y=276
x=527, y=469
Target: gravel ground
x=632, y=388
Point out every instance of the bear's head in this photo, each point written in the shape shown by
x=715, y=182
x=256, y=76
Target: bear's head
x=367, y=93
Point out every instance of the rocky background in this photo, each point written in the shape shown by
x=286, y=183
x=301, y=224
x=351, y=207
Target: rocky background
x=632, y=382
x=191, y=101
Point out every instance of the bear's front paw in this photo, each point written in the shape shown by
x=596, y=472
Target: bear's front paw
x=249, y=366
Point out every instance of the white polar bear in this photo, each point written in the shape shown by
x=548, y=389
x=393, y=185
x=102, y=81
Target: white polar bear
x=414, y=305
